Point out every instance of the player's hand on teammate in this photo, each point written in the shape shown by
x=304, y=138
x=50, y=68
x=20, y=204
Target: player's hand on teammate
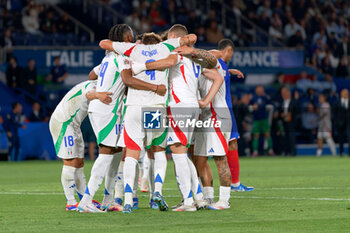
x=184, y=50
x=104, y=97
x=137, y=67
x=161, y=90
x=202, y=104
x=236, y=72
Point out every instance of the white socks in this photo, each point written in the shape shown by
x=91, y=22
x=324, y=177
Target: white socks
x=111, y=178
x=319, y=152
x=183, y=173
x=129, y=178
x=136, y=182
x=98, y=172
x=225, y=193
x=145, y=165
x=119, y=187
x=160, y=164
x=196, y=187
x=68, y=183
x=208, y=192
x=80, y=182
x=151, y=178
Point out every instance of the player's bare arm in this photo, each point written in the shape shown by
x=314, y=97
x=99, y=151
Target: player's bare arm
x=104, y=97
x=106, y=45
x=236, y=72
x=138, y=84
x=190, y=39
x=205, y=58
x=92, y=75
x=215, y=76
x=161, y=64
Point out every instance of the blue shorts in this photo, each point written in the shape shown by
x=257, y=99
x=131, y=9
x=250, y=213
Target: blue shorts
x=234, y=131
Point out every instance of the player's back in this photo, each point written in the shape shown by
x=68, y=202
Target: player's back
x=218, y=105
x=183, y=79
x=74, y=104
x=109, y=80
x=144, y=54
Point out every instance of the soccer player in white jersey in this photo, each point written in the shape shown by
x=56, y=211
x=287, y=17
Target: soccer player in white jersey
x=183, y=107
x=106, y=122
x=134, y=135
x=67, y=137
x=214, y=141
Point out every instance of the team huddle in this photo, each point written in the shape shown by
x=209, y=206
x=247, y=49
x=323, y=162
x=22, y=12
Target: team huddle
x=163, y=78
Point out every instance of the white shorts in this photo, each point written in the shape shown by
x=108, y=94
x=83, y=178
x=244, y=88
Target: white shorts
x=106, y=128
x=137, y=130
x=182, y=113
x=67, y=138
x=212, y=141
x=324, y=134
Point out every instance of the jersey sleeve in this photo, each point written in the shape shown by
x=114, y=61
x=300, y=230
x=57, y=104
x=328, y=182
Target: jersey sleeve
x=89, y=86
x=123, y=48
x=123, y=63
x=172, y=44
x=96, y=70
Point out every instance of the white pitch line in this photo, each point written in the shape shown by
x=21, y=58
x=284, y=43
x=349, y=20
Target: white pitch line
x=178, y=196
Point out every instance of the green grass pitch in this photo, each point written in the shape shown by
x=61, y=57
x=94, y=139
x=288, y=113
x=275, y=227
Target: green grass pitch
x=292, y=195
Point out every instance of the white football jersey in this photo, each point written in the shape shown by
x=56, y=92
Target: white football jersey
x=218, y=106
x=142, y=54
x=74, y=105
x=183, y=79
x=110, y=80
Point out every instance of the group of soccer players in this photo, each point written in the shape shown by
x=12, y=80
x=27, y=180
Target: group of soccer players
x=167, y=78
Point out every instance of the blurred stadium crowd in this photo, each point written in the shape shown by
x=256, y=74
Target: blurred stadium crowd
x=320, y=28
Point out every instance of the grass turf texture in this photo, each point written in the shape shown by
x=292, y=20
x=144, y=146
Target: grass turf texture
x=292, y=195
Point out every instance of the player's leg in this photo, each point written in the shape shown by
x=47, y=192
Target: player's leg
x=266, y=131
x=111, y=178
x=331, y=144
x=160, y=165
x=68, y=180
x=225, y=182
x=106, y=161
x=145, y=173
x=135, y=199
x=233, y=163
x=129, y=171
x=152, y=203
x=183, y=173
x=319, y=143
x=119, y=187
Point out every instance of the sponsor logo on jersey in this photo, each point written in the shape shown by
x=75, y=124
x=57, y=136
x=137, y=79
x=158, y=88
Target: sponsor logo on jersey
x=149, y=53
x=152, y=119
x=211, y=150
x=170, y=139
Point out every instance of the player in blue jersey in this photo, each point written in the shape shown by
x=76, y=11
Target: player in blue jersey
x=224, y=54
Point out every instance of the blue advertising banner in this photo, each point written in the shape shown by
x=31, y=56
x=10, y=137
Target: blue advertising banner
x=76, y=61
x=267, y=59
x=82, y=60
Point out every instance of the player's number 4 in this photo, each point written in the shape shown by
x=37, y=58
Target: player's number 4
x=151, y=73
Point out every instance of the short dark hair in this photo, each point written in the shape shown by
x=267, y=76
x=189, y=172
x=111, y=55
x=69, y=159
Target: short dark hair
x=118, y=31
x=56, y=57
x=224, y=43
x=178, y=29
x=151, y=38
x=139, y=37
